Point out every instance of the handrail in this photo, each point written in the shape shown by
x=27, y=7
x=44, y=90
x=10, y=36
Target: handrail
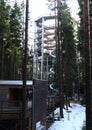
x=52, y=101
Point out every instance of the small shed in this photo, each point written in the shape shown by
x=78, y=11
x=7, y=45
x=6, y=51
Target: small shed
x=11, y=93
x=11, y=90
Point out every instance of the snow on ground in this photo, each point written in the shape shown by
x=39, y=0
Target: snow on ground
x=71, y=121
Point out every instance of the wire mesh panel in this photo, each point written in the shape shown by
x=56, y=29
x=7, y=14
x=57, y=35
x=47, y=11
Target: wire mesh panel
x=39, y=101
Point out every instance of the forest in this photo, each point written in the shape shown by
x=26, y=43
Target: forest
x=70, y=64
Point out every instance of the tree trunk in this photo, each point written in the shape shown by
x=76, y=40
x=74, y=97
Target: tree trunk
x=87, y=65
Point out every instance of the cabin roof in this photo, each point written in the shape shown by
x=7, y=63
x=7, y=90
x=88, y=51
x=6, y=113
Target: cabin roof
x=15, y=83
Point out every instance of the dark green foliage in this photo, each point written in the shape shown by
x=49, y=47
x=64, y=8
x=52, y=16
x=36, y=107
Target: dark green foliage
x=16, y=25
x=85, y=56
x=81, y=46
x=84, y=128
x=68, y=50
x=16, y=40
x=4, y=31
x=83, y=101
x=11, y=38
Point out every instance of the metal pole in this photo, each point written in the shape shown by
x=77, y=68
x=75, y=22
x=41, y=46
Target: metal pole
x=88, y=64
x=33, y=118
x=24, y=70
x=47, y=68
x=42, y=48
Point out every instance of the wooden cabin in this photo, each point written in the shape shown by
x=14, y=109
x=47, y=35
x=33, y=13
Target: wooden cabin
x=11, y=93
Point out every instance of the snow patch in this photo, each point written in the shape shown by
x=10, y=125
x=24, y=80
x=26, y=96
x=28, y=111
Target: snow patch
x=75, y=121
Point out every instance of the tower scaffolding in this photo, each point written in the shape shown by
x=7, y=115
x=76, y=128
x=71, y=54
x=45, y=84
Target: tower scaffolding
x=44, y=46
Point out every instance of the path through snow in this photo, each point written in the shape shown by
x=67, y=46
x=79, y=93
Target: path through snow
x=74, y=121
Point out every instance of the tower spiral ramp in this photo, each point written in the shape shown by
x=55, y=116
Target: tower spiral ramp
x=44, y=46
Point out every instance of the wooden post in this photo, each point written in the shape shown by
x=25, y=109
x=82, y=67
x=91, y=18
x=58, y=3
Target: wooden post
x=24, y=71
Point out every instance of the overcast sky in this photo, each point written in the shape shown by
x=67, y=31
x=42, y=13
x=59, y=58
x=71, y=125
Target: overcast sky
x=74, y=7
x=38, y=8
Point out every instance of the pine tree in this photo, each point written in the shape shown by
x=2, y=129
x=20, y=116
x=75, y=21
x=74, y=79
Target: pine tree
x=16, y=40
x=4, y=31
x=65, y=62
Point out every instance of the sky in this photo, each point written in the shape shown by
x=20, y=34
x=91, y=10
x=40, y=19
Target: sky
x=39, y=8
x=74, y=8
